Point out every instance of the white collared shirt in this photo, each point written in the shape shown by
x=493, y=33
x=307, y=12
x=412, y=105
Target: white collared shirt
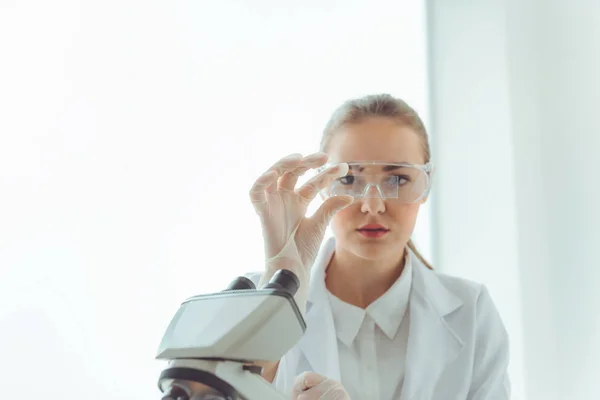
x=372, y=342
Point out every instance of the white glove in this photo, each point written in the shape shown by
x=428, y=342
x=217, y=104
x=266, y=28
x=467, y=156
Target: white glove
x=291, y=239
x=312, y=386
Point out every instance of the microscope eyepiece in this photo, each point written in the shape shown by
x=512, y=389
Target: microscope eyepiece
x=241, y=283
x=284, y=280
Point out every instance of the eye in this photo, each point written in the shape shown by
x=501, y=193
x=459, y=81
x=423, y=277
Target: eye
x=346, y=180
x=402, y=179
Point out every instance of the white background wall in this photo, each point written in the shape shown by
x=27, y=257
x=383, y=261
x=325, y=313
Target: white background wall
x=131, y=131
x=514, y=107
x=130, y=134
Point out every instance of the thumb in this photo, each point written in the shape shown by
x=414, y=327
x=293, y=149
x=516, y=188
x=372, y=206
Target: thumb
x=328, y=209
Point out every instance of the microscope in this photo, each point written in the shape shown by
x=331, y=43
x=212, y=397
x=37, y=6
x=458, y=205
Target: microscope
x=214, y=341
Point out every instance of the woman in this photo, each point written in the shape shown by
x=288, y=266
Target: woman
x=381, y=323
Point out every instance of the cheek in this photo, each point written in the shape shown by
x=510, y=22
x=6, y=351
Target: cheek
x=405, y=215
x=343, y=218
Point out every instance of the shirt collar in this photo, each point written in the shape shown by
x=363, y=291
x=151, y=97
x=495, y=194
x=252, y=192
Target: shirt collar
x=387, y=311
x=347, y=319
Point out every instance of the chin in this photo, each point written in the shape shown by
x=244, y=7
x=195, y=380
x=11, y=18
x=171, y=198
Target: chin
x=372, y=250
x=375, y=249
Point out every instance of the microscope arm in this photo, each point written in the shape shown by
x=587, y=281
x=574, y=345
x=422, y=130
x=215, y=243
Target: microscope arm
x=214, y=340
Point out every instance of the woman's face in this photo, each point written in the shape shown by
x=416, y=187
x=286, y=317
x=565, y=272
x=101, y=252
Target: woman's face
x=375, y=139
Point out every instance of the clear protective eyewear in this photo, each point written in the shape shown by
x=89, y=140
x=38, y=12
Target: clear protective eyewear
x=408, y=183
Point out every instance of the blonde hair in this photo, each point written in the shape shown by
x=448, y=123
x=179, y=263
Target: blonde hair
x=379, y=105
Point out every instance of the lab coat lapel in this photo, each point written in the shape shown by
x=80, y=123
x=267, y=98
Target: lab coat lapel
x=319, y=342
x=432, y=344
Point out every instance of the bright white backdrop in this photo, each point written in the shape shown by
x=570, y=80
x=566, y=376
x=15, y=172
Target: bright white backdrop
x=130, y=133
x=515, y=111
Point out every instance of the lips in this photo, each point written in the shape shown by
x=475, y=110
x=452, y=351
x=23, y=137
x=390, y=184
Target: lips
x=373, y=227
x=373, y=230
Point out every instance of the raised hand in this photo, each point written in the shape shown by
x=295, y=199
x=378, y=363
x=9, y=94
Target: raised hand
x=291, y=239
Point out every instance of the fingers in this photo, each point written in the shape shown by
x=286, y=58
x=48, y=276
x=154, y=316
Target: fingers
x=313, y=386
x=307, y=380
x=327, y=390
x=267, y=182
x=284, y=175
x=284, y=166
x=289, y=179
x=328, y=209
x=257, y=193
x=309, y=190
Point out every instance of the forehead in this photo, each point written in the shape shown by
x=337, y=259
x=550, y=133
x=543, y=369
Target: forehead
x=376, y=139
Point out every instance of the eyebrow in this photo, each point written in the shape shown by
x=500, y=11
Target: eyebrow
x=386, y=168
x=392, y=167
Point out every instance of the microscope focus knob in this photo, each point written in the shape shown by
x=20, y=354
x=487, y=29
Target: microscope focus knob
x=241, y=283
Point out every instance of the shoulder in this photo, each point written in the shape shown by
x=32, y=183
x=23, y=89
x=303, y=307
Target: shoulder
x=481, y=325
x=477, y=302
x=486, y=328
x=465, y=289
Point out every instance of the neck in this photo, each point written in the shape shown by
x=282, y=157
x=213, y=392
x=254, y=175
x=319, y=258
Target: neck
x=361, y=281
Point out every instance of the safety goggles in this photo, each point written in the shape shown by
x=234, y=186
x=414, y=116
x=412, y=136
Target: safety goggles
x=404, y=182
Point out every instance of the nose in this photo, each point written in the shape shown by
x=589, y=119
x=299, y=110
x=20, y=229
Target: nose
x=373, y=204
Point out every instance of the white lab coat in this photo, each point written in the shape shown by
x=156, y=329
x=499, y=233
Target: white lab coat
x=457, y=344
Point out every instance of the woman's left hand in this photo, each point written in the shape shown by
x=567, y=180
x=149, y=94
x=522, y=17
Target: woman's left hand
x=312, y=386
